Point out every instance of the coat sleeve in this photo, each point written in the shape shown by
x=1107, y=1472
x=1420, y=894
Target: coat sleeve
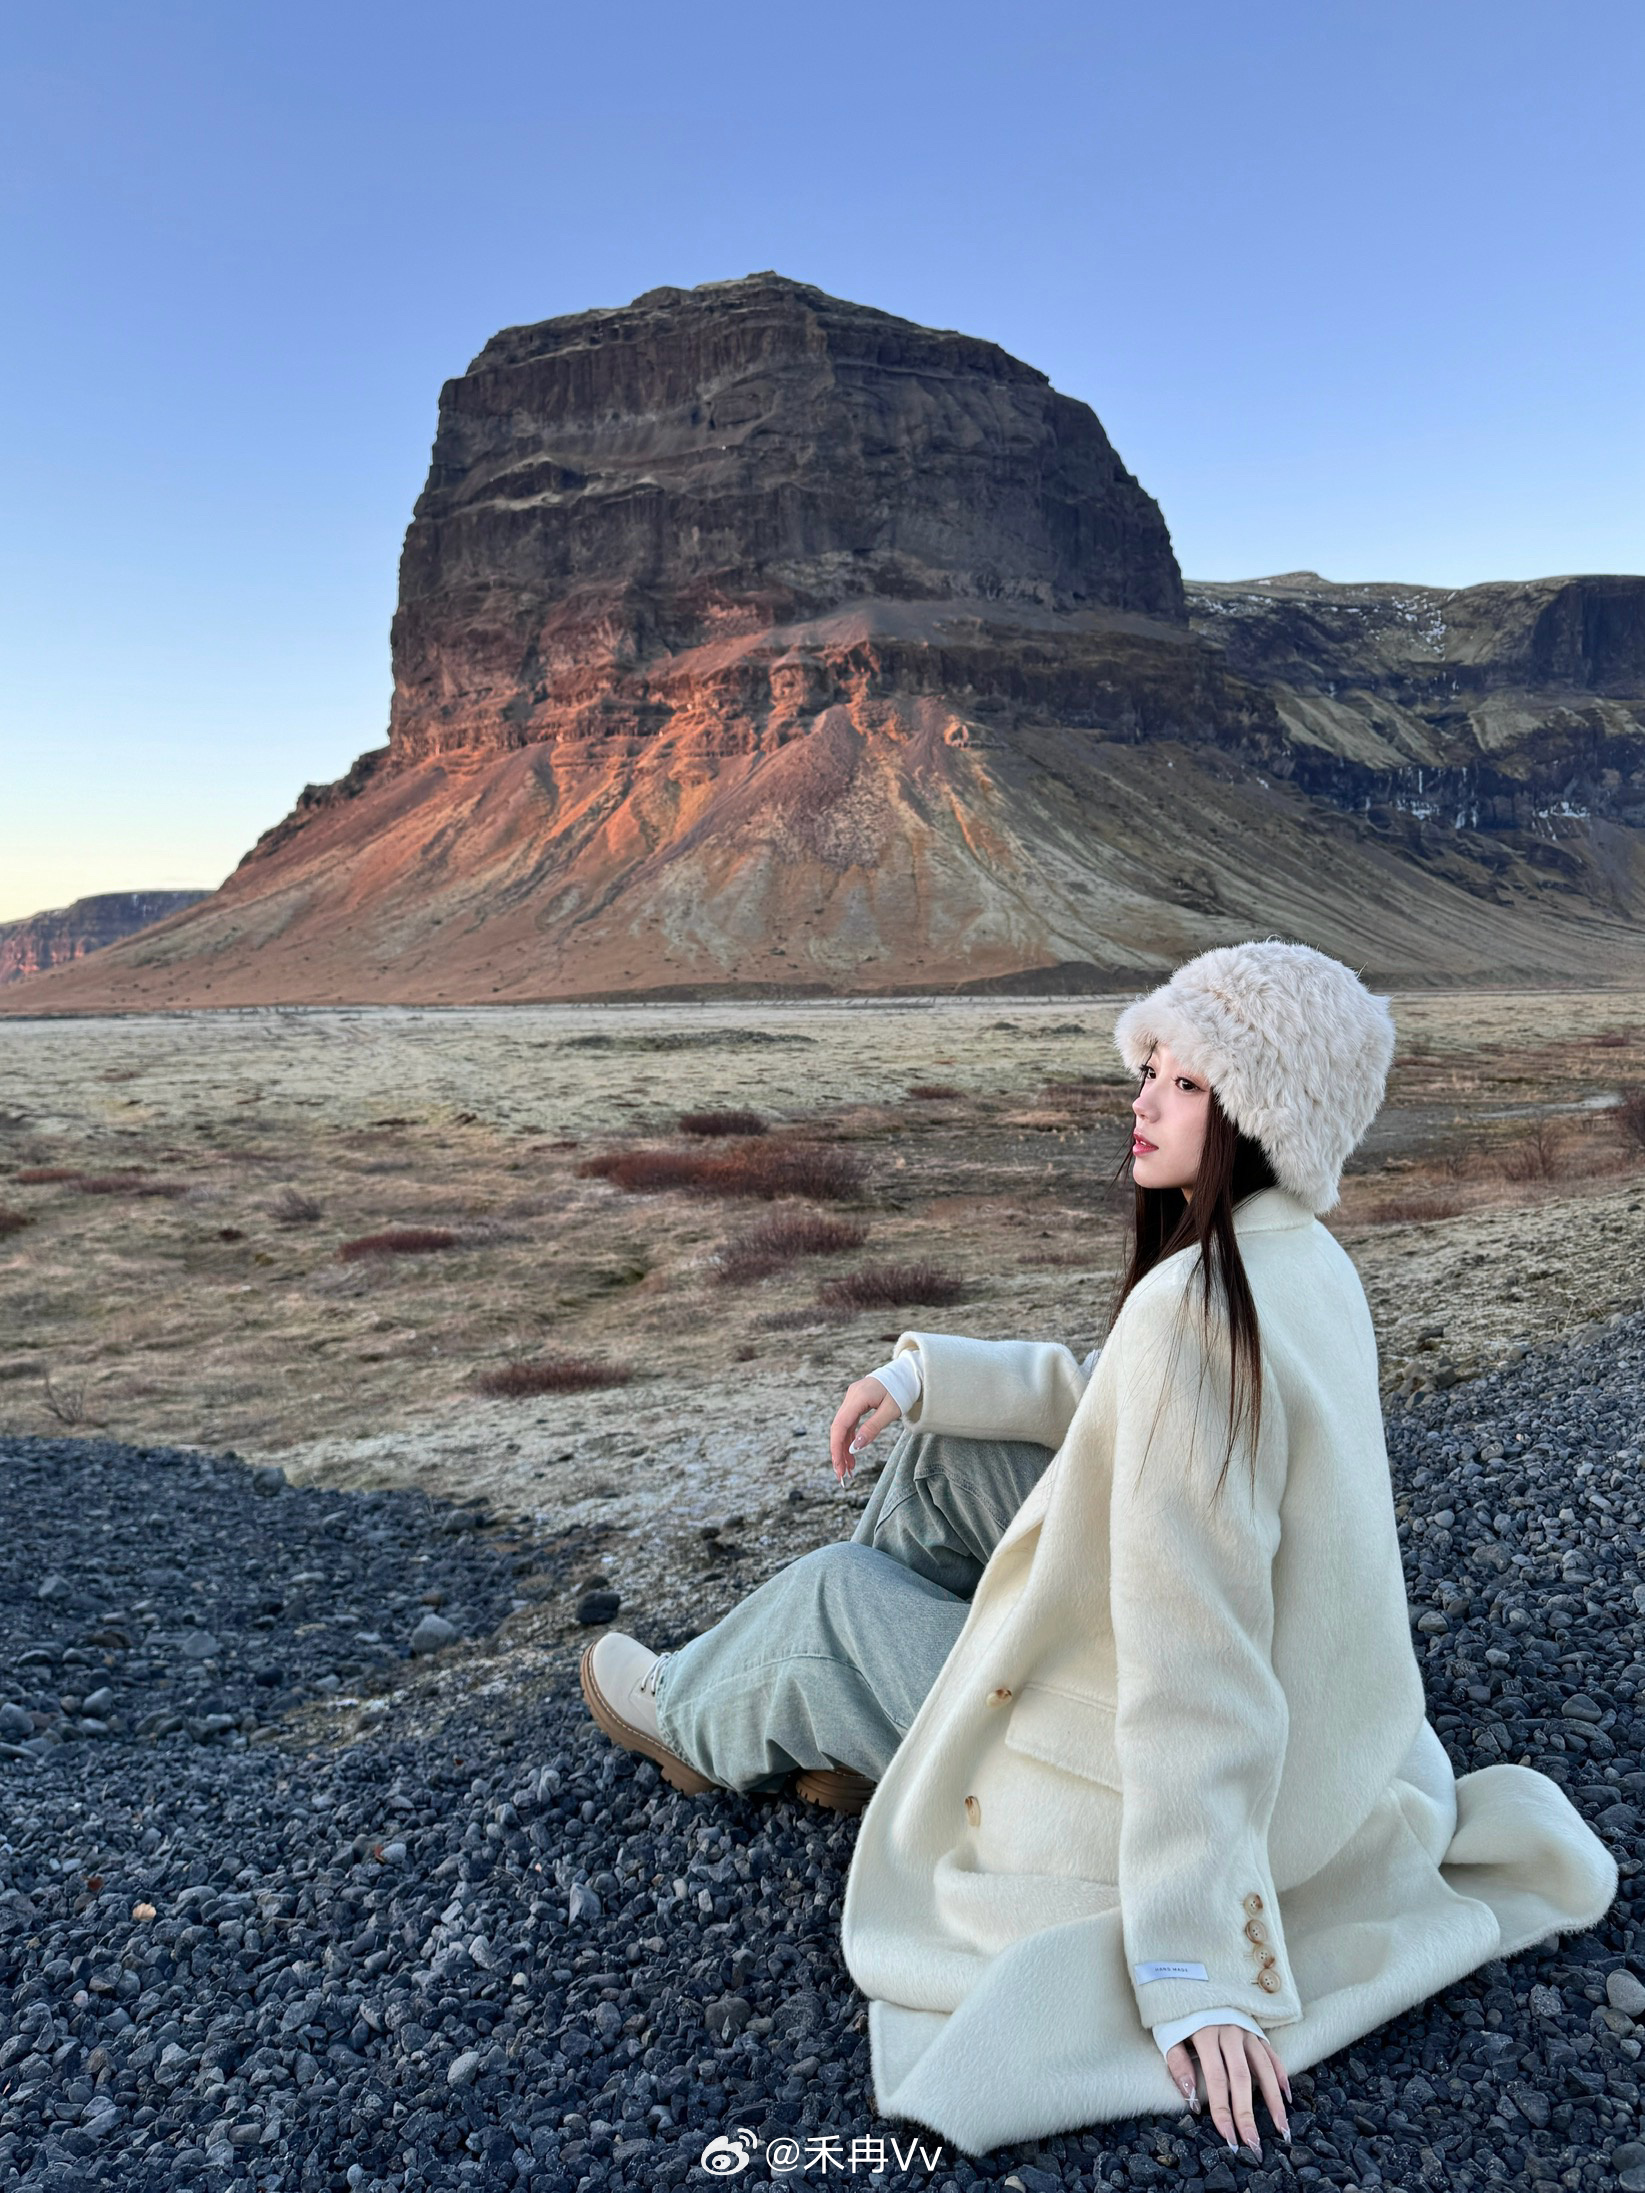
x=996, y=1389
x=1201, y=1721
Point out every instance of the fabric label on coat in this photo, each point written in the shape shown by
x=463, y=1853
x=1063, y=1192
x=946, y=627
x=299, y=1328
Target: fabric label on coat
x=1169, y=1972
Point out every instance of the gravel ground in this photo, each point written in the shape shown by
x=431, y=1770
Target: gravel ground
x=469, y=1943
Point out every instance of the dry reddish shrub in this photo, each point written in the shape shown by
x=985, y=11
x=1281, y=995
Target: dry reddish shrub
x=1534, y=1156
x=642, y=1171
x=1612, y=1042
x=934, y=1089
x=129, y=1180
x=776, y=1241
x=554, y=1374
x=398, y=1241
x=721, y=1123
x=1630, y=1117
x=13, y=1222
x=1403, y=1210
x=752, y=1169
x=883, y=1286
x=827, y=1175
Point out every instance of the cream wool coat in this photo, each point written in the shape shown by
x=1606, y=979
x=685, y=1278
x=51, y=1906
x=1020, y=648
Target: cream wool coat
x=1169, y=1715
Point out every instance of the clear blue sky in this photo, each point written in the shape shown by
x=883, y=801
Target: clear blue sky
x=1351, y=287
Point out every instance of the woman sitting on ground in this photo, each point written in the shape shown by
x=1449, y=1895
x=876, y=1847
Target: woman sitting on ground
x=1119, y=1653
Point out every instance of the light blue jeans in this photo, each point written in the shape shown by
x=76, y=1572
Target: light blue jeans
x=828, y=1661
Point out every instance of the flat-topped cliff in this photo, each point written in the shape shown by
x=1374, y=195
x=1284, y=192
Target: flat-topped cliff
x=751, y=638
x=619, y=488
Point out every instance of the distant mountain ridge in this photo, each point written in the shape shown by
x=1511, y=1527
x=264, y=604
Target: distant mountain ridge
x=1500, y=714
x=749, y=639
x=69, y=933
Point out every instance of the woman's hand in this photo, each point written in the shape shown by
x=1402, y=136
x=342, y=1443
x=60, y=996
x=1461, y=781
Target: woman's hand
x=865, y=1394
x=1228, y=2055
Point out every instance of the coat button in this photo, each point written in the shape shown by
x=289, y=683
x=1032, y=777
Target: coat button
x=1268, y=1960
x=1253, y=1902
x=1254, y=1931
x=998, y=1696
x=1267, y=1980
x=973, y=1812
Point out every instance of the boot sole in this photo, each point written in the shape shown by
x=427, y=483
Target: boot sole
x=837, y=1788
x=675, y=1770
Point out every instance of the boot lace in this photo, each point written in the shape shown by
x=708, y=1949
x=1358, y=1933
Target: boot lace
x=648, y=1681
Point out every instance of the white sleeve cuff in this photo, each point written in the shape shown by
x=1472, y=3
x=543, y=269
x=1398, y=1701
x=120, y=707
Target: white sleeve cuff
x=1178, y=2029
x=901, y=1378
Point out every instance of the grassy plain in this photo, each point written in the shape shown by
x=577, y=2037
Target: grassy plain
x=183, y=1272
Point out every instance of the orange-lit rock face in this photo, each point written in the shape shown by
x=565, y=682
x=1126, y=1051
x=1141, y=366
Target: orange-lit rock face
x=876, y=843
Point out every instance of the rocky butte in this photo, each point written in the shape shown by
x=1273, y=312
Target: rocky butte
x=749, y=639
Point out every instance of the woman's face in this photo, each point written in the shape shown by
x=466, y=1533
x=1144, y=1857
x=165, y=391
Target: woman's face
x=1169, y=1112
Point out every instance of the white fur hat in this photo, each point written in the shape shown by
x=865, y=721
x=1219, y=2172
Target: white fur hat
x=1295, y=1046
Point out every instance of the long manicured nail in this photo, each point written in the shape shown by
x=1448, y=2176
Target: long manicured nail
x=1187, y=2086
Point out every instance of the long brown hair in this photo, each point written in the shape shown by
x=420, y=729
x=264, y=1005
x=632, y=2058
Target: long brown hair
x=1231, y=1166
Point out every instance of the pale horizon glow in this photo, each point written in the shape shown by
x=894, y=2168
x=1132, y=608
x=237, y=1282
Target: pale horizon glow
x=1351, y=290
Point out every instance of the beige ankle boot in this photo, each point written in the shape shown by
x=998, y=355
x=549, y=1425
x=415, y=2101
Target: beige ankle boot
x=619, y=1684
